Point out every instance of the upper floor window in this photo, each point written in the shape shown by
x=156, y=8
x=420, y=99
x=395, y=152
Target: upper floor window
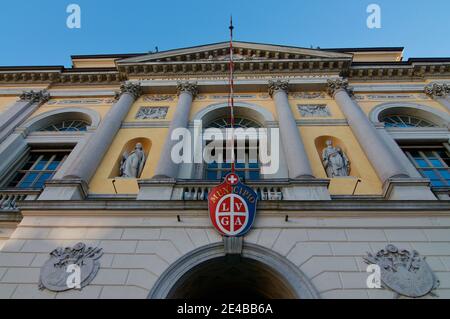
x=246, y=154
x=406, y=121
x=239, y=122
x=247, y=168
x=37, y=167
x=432, y=162
x=67, y=126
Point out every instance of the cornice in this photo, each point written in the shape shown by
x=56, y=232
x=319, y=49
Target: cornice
x=314, y=65
x=406, y=208
x=58, y=75
x=282, y=64
x=409, y=70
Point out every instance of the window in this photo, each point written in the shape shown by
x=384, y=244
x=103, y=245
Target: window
x=239, y=122
x=406, y=121
x=67, y=126
x=432, y=162
x=38, y=167
x=247, y=169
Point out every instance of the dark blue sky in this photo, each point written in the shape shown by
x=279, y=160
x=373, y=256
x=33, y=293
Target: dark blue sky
x=34, y=32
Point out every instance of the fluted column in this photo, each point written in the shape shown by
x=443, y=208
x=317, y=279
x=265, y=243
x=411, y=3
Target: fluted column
x=385, y=163
x=440, y=93
x=296, y=157
x=167, y=168
x=18, y=112
x=97, y=145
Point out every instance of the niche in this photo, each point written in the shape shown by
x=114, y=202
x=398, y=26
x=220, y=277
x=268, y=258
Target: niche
x=129, y=147
x=321, y=144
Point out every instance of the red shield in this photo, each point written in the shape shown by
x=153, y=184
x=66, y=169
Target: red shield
x=231, y=208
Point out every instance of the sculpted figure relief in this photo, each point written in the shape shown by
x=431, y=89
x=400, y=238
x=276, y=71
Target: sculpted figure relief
x=132, y=164
x=335, y=161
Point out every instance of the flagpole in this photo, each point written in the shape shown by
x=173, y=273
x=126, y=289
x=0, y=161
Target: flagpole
x=231, y=97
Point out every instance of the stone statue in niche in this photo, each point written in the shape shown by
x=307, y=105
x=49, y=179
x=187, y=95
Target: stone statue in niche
x=335, y=161
x=132, y=164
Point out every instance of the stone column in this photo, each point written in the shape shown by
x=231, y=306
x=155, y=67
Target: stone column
x=397, y=151
x=296, y=157
x=385, y=163
x=166, y=167
x=440, y=93
x=101, y=140
x=18, y=112
x=77, y=176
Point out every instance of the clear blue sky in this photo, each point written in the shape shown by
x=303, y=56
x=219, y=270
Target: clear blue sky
x=34, y=32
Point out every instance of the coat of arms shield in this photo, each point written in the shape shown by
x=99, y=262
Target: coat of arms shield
x=232, y=207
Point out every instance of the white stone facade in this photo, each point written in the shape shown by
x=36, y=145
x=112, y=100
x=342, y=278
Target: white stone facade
x=137, y=250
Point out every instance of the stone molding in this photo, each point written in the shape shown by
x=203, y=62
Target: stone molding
x=437, y=90
x=334, y=85
x=278, y=85
x=35, y=96
x=134, y=89
x=80, y=185
x=335, y=208
x=187, y=87
x=291, y=274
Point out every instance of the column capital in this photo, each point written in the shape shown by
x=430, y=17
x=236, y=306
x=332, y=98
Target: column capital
x=334, y=85
x=35, y=96
x=437, y=90
x=135, y=89
x=188, y=87
x=278, y=85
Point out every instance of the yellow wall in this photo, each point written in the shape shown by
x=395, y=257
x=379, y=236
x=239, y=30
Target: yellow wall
x=370, y=184
x=101, y=183
x=101, y=109
x=361, y=167
x=6, y=102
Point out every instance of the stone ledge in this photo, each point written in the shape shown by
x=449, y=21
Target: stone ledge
x=408, y=189
x=64, y=189
x=175, y=207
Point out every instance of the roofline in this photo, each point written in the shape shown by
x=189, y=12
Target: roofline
x=106, y=56
x=341, y=50
x=30, y=68
x=369, y=49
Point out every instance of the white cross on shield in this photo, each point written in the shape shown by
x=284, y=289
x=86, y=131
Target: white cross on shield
x=232, y=214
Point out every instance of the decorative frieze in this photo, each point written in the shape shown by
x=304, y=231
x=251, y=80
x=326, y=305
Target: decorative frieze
x=35, y=96
x=437, y=90
x=236, y=97
x=307, y=95
x=334, y=85
x=189, y=87
x=81, y=102
x=277, y=86
x=314, y=110
x=152, y=113
x=59, y=273
x=159, y=98
x=404, y=272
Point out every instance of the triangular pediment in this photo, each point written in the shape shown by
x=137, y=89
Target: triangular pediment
x=243, y=51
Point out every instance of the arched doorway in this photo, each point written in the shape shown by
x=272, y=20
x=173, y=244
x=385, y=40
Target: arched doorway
x=257, y=274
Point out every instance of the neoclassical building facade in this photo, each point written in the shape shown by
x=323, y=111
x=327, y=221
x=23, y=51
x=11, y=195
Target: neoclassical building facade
x=87, y=176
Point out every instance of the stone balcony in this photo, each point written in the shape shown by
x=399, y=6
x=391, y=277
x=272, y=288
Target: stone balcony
x=10, y=197
x=267, y=190
x=199, y=190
